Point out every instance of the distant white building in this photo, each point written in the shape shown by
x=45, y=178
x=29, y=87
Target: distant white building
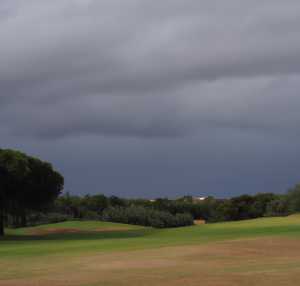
x=199, y=199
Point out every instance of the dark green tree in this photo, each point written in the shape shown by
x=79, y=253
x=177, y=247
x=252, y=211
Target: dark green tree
x=26, y=183
x=116, y=201
x=186, y=198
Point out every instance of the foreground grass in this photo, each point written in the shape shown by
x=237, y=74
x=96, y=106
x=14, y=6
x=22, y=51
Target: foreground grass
x=32, y=256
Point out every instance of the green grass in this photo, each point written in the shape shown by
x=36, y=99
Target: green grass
x=18, y=252
x=80, y=225
x=15, y=245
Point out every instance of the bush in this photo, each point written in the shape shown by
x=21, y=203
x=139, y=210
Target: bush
x=38, y=218
x=139, y=215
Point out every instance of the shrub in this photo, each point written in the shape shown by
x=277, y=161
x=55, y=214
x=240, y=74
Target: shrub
x=139, y=215
x=37, y=218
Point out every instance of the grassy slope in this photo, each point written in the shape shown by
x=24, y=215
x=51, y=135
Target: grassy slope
x=25, y=256
x=80, y=225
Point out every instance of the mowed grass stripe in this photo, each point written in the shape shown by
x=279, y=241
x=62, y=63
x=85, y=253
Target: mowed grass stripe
x=17, y=246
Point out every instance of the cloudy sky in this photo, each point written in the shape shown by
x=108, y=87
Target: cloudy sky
x=152, y=98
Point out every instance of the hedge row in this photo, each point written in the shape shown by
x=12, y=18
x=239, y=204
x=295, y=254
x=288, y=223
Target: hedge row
x=138, y=215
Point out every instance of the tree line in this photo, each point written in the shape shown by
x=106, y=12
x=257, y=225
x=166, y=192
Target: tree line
x=92, y=207
x=30, y=189
x=160, y=212
x=116, y=209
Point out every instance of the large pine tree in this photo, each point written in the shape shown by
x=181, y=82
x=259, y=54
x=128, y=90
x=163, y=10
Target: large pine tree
x=26, y=183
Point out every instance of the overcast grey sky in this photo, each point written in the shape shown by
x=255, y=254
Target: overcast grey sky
x=149, y=99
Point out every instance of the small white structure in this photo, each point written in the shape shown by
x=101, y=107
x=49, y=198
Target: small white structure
x=199, y=199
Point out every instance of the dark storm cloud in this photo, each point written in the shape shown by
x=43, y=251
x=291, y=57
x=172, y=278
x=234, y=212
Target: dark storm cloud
x=148, y=68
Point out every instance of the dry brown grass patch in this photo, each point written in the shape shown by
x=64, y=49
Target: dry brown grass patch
x=260, y=261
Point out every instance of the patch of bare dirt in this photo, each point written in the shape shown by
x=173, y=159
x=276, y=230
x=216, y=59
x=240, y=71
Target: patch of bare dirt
x=196, y=222
x=41, y=231
x=113, y=228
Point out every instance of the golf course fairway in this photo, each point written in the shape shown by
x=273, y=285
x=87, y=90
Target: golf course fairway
x=264, y=251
